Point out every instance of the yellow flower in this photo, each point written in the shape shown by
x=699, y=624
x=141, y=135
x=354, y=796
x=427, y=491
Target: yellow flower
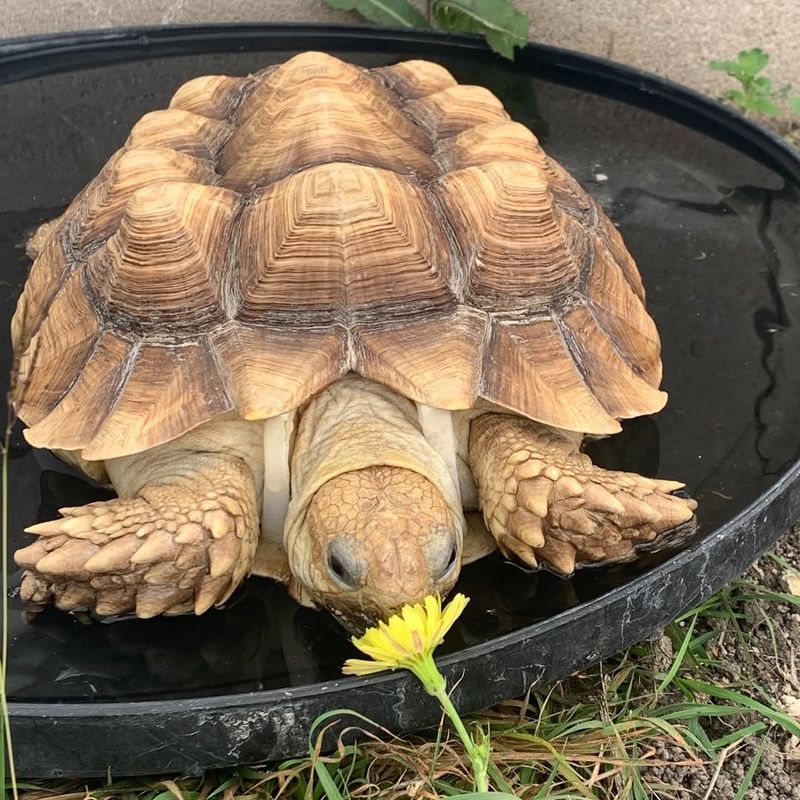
x=408, y=639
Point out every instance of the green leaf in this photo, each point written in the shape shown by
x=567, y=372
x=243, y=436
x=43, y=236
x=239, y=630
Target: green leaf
x=503, y=25
x=399, y=13
x=794, y=104
x=762, y=84
x=738, y=98
x=751, y=62
x=764, y=105
x=729, y=67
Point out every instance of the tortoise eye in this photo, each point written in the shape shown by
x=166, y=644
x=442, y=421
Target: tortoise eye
x=451, y=559
x=450, y=563
x=343, y=565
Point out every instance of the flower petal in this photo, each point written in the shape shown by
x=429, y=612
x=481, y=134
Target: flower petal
x=452, y=611
x=358, y=666
x=399, y=633
x=433, y=609
x=375, y=644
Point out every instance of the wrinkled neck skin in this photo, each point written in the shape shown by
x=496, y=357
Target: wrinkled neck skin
x=375, y=518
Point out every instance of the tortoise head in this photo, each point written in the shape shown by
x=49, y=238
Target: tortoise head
x=374, y=540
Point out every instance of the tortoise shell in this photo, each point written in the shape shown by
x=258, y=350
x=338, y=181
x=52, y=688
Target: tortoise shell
x=265, y=235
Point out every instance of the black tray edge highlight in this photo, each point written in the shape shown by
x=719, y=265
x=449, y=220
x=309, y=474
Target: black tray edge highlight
x=32, y=56
x=51, y=739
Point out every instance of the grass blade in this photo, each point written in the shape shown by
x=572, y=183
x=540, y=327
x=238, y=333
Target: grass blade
x=498, y=780
x=544, y=789
x=784, y=720
x=486, y=796
x=738, y=735
x=679, y=656
x=331, y=789
x=751, y=771
x=563, y=765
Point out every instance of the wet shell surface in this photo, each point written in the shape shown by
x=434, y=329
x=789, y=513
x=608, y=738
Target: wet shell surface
x=265, y=235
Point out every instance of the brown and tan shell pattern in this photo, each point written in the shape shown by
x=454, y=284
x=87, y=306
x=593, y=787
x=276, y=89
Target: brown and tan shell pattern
x=264, y=235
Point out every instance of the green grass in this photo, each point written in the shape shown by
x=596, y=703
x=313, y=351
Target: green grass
x=599, y=734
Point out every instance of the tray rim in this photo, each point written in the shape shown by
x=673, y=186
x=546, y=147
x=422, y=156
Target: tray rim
x=764, y=520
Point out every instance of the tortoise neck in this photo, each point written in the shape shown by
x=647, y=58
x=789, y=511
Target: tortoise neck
x=352, y=425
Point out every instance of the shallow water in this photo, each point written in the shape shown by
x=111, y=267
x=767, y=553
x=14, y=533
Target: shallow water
x=717, y=239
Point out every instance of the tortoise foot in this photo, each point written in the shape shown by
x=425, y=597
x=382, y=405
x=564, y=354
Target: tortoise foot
x=167, y=551
x=552, y=506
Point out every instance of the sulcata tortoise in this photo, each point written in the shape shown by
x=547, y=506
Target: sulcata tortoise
x=302, y=321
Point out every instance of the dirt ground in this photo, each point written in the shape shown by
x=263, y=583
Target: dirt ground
x=770, y=665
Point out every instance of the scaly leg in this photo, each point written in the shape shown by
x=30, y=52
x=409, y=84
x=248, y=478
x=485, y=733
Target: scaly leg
x=544, y=500
x=183, y=542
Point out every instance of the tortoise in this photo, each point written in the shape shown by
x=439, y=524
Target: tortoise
x=303, y=321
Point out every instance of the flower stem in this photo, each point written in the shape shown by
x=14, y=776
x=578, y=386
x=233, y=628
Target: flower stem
x=476, y=757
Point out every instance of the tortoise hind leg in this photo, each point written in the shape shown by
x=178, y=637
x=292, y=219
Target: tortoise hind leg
x=184, y=542
x=545, y=502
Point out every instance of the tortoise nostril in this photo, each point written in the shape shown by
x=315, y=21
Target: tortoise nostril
x=450, y=563
x=337, y=567
x=346, y=569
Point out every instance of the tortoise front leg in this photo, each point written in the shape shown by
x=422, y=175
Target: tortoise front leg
x=183, y=542
x=545, y=502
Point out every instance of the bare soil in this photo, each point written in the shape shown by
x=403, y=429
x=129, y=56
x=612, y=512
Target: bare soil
x=764, y=663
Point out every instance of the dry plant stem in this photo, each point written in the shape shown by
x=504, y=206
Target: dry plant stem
x=3, y=666
x=720, y=762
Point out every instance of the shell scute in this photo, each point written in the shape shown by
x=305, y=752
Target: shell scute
x=213, y=96
x=620, y=312
x=79, y=414
x=527, y=365
x=270, y=370
x=455, y=109
x=151, y=406
x=519, y=248
x=346, y=239
x=621, y=390
x=180, y=130
x=312, y=111
x=436, y=361
x=414, y=79
x=44, y=281
x=57, y=352
x=103, y=204
x=164, y=265
x=492, y=141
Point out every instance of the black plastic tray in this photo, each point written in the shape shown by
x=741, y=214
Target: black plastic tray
x=708, y=203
